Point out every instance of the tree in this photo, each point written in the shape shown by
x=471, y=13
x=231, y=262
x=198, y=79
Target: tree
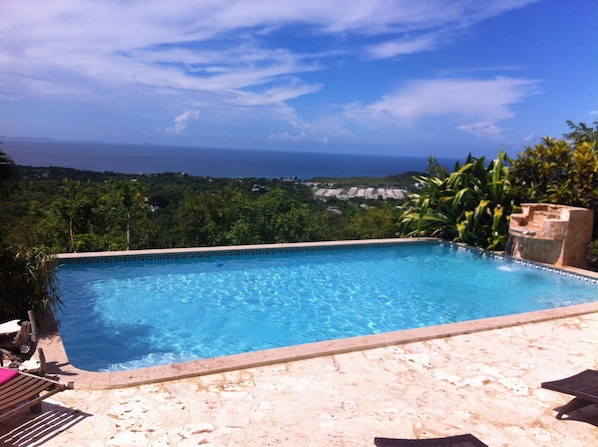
x=72, y=222
x=578, y=185
x=279, y=218
x=539, y=168
x=435, y=169
x=583, y=178
x=373, y=223
x=93, y=216
x=27, y=275
x=234, y=217
x=241, y=219
x=9, y=176
x=581, y=133
x=560, y=171
x=201, y=218
x=125, y=213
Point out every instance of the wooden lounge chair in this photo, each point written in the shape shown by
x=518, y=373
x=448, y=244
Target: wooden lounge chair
x=584, y=386
x=452, y=441
x=21, y=391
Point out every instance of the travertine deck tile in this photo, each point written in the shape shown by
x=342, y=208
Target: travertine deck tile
x=486, y=383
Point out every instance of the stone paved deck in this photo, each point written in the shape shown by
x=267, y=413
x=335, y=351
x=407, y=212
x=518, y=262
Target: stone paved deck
x=486, y=383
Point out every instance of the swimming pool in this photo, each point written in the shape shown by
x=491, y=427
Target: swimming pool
x=137, y=311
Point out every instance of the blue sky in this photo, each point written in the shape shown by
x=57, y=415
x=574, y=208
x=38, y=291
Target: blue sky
x=402, y=77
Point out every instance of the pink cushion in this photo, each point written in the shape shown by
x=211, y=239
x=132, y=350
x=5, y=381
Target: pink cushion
x=7, y=374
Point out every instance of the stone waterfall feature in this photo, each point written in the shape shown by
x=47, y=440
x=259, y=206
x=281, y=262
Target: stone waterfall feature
x=551, y=234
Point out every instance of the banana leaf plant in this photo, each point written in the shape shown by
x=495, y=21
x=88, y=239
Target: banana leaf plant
x=471, y=205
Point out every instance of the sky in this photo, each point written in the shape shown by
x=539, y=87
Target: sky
x=393, y=77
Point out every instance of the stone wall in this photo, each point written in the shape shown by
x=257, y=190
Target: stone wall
x=551, y=234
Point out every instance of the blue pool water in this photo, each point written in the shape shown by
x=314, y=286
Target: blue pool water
x=134, y=314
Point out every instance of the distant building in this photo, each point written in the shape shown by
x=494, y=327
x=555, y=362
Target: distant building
x=355, y=192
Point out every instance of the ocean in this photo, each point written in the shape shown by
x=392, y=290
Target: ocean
x=201, y=161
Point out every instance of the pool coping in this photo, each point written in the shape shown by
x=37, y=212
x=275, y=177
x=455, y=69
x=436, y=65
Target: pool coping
x=54, y=349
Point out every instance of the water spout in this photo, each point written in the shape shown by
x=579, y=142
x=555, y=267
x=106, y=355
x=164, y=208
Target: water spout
x=510, y=247
x=524, y=232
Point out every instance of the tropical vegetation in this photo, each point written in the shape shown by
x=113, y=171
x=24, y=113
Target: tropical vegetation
x=78, y=211
x=561, y=171
x=27, y=276
x=472, y=204
x=50, y=210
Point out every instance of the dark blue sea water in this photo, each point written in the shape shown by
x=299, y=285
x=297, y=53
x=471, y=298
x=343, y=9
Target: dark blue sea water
x=201, y=161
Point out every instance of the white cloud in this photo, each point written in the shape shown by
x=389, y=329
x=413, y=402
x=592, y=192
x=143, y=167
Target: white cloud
x=397, y=47
x=181, y=122
x=487, y=129
x=529, y=137
x=226, y=57
x=210, y=45
x=486, y=102
x=274, y=95
x=298, y=137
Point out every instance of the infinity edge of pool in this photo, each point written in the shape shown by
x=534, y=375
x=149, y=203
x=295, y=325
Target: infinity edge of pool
x=59, y=364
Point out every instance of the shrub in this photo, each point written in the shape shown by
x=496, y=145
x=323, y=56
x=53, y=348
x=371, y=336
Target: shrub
x=27, y=281
x=471, y=205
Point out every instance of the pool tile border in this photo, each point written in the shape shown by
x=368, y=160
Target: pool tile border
x=219, y=252
x=60, y=365
x=81, y=379
x=310, y=247
x=583, y=275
